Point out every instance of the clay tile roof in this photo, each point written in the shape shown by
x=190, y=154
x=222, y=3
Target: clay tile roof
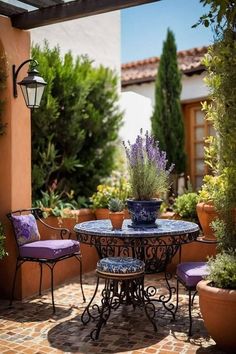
x=145, y=70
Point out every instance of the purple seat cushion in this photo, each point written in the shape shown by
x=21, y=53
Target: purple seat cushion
x=192, y=272
x=26, y=229
x=49, y=249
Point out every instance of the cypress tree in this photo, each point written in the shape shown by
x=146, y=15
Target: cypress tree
x=167, y=121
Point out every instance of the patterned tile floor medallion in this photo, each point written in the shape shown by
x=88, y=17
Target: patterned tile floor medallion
x=30, y=327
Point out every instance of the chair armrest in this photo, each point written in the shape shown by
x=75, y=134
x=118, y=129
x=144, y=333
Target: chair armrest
x=38, y=213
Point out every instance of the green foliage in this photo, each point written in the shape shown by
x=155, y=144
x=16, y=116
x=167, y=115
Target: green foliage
x=115, y=187
x=223, y=270
x=222, y=14
x=221, y=79
x=75, y=129
x=167, y=120
x=115, y=205
x=52, y=203
x=102, y=196
x=80, y=202
x=3, y=252
x=213, y=187
x=185, y=206
x=221, y=154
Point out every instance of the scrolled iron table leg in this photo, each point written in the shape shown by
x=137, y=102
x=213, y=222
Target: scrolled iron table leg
x=87, y=315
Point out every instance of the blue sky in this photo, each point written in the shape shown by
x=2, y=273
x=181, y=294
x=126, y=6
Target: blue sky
x=144, y=28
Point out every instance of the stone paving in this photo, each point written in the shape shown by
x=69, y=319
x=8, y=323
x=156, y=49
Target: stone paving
x=30, y=327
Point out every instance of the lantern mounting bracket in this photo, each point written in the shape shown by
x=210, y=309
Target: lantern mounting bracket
x=16, y=72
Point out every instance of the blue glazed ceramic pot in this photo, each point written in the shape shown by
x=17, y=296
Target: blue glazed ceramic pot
x=143, y=212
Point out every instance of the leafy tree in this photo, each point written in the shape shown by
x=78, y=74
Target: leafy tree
x=221, y=111
x=75, y=129
x=167, y=121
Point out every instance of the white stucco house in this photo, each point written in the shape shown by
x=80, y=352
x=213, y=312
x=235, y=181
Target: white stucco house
x=137, y=101
x=96, y=36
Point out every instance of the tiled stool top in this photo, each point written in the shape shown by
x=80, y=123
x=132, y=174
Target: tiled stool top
x=120, y=265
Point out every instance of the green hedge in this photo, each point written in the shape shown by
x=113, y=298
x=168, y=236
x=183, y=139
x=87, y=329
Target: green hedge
x=75, y=130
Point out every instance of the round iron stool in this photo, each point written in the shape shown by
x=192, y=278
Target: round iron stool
x=124, y=284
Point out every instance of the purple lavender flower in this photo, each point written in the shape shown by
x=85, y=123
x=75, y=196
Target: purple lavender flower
x=147, y=167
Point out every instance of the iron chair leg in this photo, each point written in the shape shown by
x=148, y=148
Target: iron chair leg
x=53, y=304
x=81, y=278
x=177, y=298
x=40, y=280
x=51, y=267
x=190, y=312
x=190, y=304
x=18, y=265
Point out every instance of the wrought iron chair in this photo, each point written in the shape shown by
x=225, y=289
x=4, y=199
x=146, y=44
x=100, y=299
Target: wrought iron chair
x=189, y=274
x=48, y=252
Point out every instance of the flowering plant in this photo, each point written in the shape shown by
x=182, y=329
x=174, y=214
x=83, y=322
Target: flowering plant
x=101, y=198
x=115, y=187
x=149, y=175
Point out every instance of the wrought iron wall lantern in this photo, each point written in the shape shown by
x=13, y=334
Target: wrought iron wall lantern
x=32, y=86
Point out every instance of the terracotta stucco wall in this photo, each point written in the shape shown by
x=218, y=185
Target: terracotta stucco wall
x=15, y=177
x=15, y=156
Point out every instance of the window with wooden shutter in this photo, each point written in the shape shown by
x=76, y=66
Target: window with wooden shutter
x=197, y=129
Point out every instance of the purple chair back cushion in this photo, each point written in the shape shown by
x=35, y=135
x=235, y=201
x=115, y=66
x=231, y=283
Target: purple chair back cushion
x=192, y=272
x=49, y=249
x=26, y=229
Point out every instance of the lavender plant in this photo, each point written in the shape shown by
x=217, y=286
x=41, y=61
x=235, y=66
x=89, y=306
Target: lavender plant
x=147, y=164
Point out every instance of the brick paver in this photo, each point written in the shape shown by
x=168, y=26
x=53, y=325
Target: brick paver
x=30, y=327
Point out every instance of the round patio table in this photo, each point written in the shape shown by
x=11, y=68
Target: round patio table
x=155, y=246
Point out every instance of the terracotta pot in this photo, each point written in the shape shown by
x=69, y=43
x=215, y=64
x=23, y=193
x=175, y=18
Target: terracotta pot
x=206, y=214
x=117, y=219
x=102, y=213
x=218, y=309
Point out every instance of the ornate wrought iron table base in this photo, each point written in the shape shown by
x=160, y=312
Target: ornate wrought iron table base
x=126, y=290
x=118, y=290
x=155, y=246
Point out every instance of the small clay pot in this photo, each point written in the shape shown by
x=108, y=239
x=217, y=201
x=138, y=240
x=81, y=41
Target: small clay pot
x=117, y=219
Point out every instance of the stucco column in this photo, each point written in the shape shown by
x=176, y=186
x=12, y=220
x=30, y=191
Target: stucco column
x=15, y=146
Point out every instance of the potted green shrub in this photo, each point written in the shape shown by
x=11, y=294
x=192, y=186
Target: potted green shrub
x=100, y=200
x=116, y=213
x=206, y=210
x=60, y=209
x=185, y=206
x=217, y=294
